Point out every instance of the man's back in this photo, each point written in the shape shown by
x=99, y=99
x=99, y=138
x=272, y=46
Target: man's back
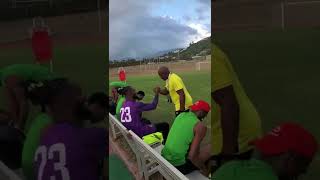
x=68, y=152
x=223, y=75
x=179, y=139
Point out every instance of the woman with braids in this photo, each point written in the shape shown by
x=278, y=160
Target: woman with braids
x=67, y=149
x=94, y=110
x=38, y=94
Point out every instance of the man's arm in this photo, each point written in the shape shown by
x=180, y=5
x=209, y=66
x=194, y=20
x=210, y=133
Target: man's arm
x=182, y=99
x=164, y=91
x=199, y=133
x=228, y=103
x=153, y=105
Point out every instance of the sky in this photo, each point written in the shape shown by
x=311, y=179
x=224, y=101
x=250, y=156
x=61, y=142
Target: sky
x=139, y=28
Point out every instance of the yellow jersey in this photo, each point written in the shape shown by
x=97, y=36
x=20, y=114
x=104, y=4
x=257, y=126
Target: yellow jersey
x=223, y=75
x=173, y=84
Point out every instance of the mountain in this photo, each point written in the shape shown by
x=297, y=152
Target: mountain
x=161, y=53
x=200, y=48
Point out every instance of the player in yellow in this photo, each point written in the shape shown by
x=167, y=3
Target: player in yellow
x=176, y=89
x=235, y=120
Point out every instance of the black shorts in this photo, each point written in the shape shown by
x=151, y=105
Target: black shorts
x=187, y=168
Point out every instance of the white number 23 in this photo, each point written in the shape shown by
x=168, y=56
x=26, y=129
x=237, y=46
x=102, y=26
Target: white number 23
x=47, y=154
x=125, y=114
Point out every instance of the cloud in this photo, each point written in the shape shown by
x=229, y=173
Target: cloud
x=187, y=18
x=205, y=2
x=133, y=32
x=202, y=31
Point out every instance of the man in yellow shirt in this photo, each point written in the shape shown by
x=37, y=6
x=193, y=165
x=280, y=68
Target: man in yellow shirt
x=176, y=89
x=235, y=121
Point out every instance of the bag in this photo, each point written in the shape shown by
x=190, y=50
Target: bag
x=154, y=138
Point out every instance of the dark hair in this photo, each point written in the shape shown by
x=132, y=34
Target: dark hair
x=120, y=90
x=99, y=98
x=141, y=93
x=42, y=93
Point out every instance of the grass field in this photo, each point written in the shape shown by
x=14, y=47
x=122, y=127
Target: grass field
x=84, y=64
x=280, y=73
x=197, y=83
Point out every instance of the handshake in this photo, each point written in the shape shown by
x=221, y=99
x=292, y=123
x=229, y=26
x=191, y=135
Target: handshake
x=156, y=90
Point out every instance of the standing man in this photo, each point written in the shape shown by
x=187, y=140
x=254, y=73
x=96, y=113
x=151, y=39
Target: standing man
x=176, y=89
x=122, y=74
x=235, y=120
x=41, y=41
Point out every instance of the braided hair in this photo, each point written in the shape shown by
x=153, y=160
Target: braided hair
x=41, y=93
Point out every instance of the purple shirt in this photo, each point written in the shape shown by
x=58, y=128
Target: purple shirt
x=131, y=113
x=67, y=152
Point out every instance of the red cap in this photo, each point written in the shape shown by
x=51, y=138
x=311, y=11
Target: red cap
x=288, y=137
x=200, y=105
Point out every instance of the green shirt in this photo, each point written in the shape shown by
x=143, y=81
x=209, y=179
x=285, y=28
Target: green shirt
x=245, y=170
x=27, y=72
x=119, y=105
x=179, y=138
x=31, y=143
x=121, y=98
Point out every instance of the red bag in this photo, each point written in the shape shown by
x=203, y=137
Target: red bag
x=42, y=46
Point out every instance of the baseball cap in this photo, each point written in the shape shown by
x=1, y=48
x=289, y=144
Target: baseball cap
x=200, y=105
x=287, y=137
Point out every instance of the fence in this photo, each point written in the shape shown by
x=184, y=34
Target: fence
x=176, y=66
x=258, y=14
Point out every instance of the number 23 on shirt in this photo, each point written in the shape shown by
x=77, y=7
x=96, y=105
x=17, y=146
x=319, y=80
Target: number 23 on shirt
x=125, y=115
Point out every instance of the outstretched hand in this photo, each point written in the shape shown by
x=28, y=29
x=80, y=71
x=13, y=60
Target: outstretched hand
x=156, y=90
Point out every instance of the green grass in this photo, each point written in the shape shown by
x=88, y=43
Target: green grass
x=84, y=64
x=118, y=169
x=280, y=73
x=197, y=83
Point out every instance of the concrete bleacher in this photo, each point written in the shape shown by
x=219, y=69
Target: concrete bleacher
x=8, y=174
x=149, y=159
